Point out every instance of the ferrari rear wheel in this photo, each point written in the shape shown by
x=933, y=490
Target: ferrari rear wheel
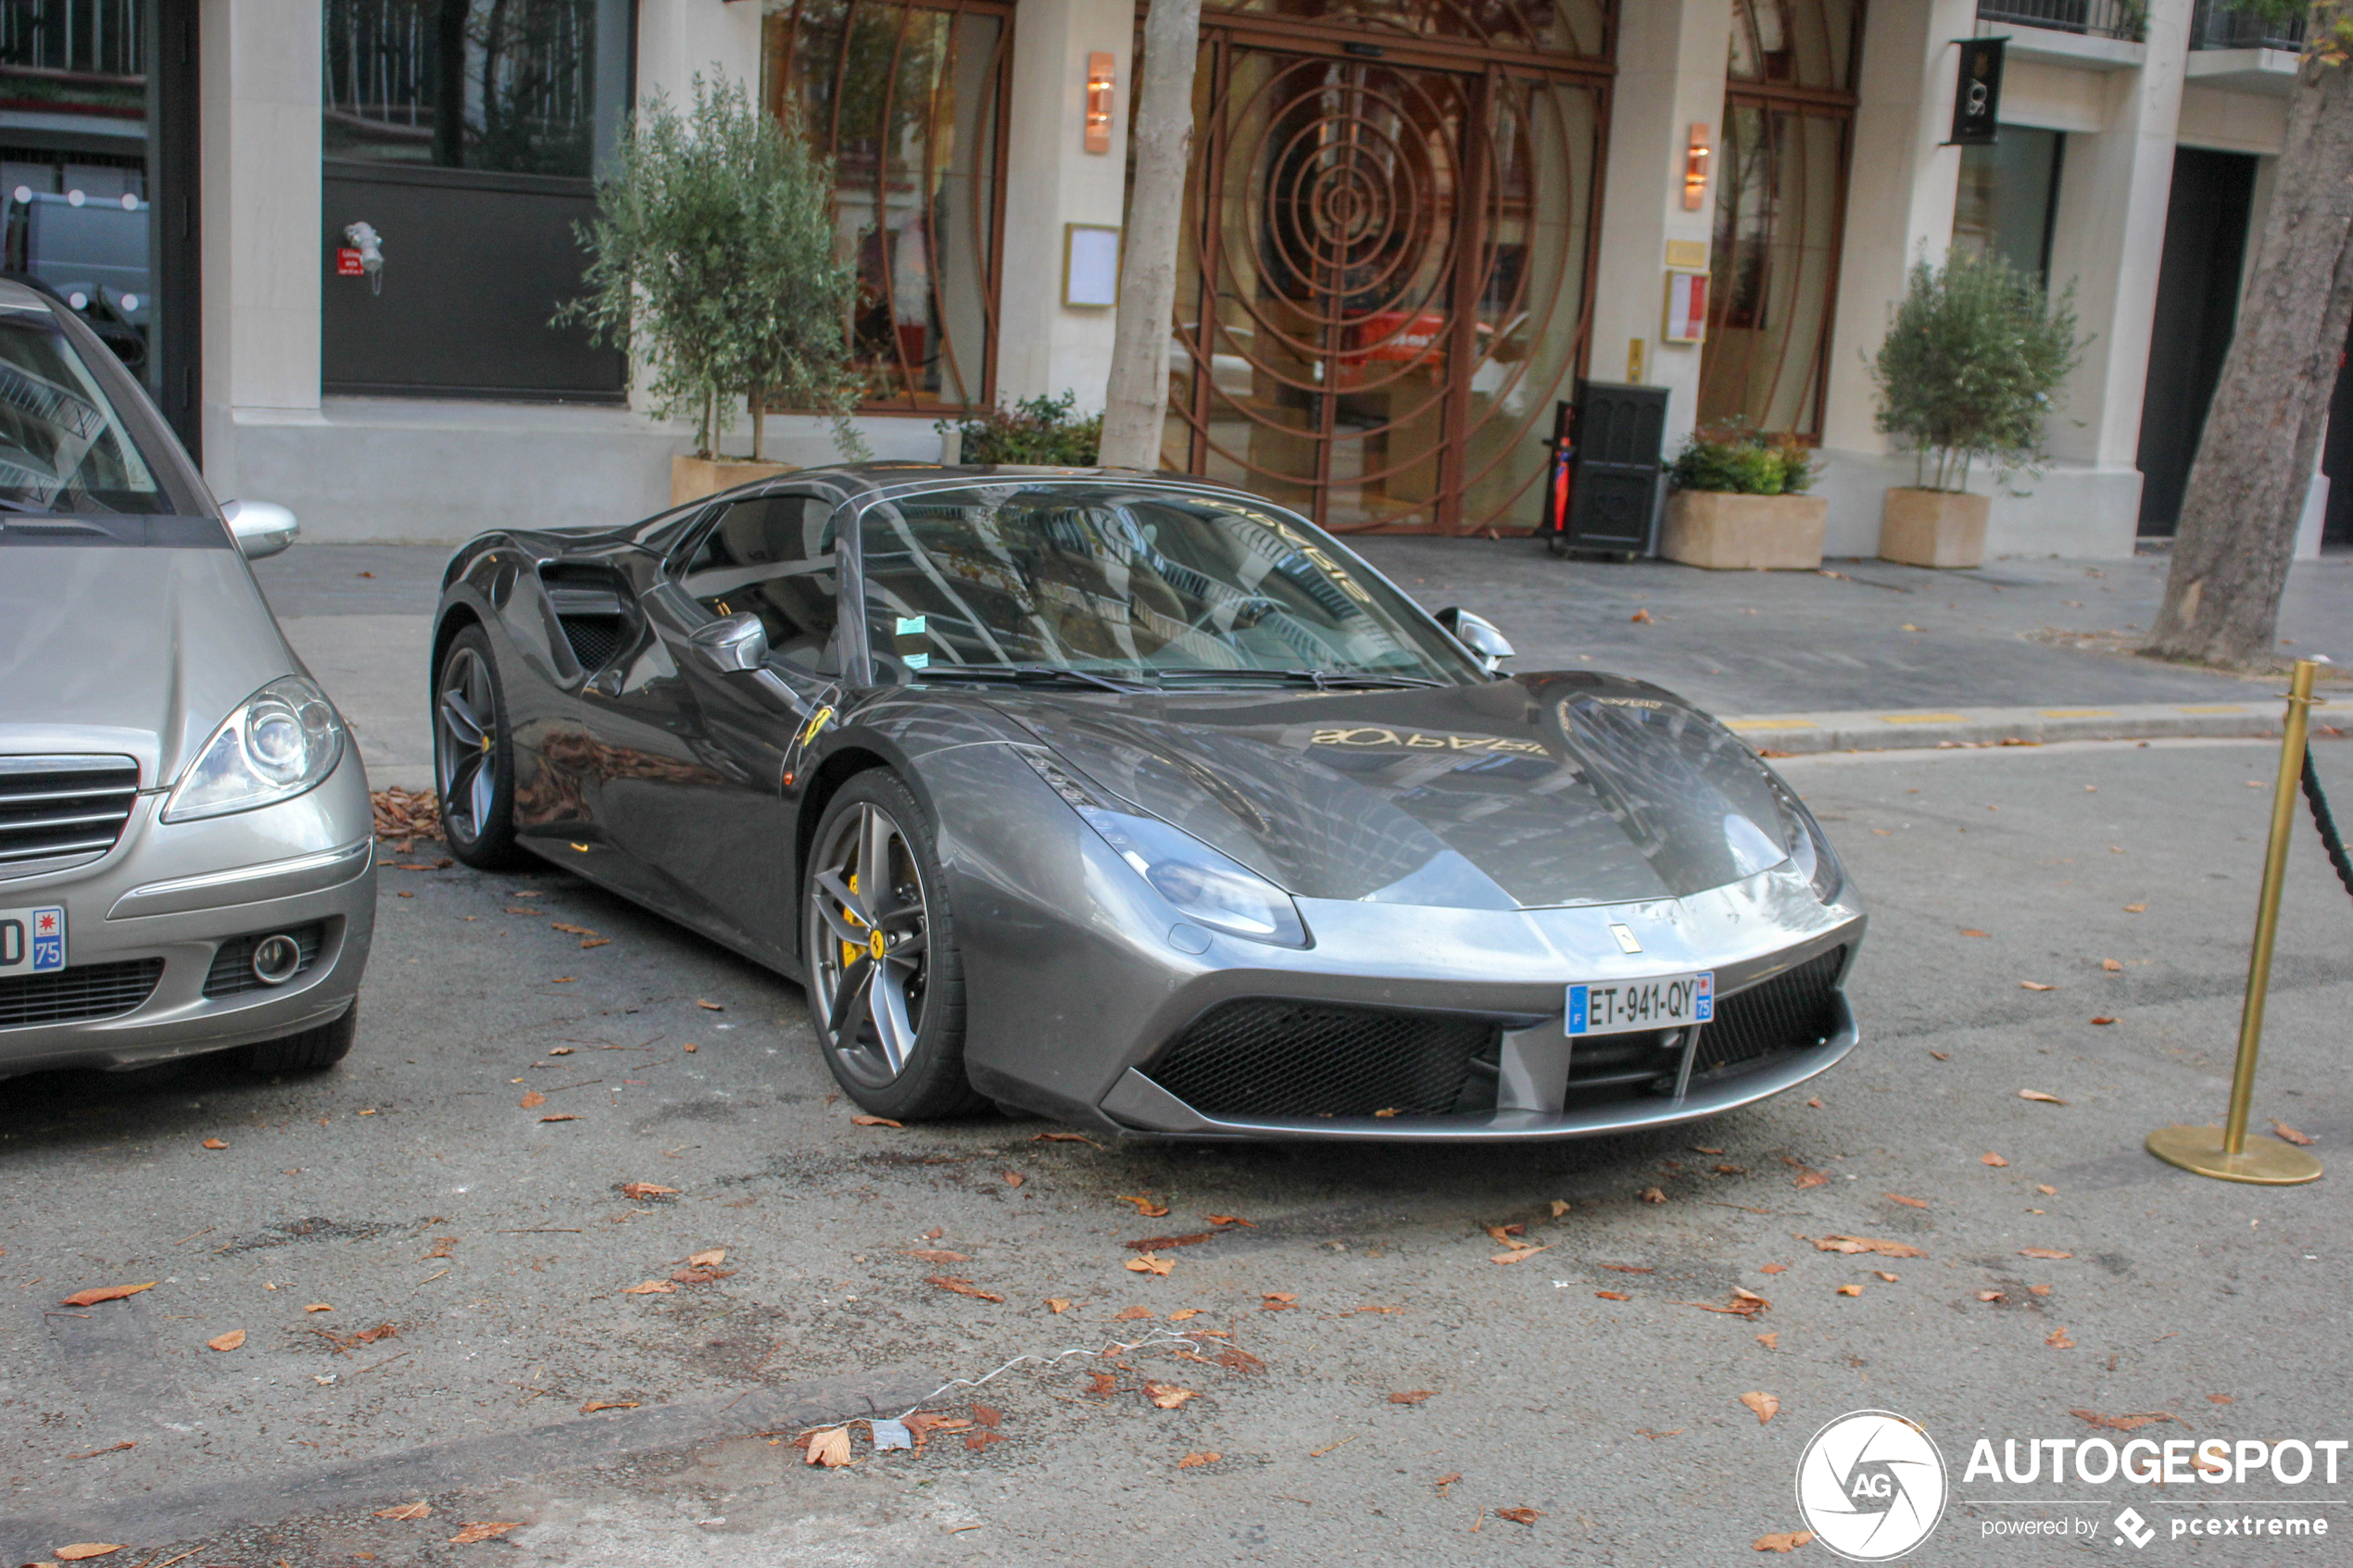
x=885, y=987
x=473, y=758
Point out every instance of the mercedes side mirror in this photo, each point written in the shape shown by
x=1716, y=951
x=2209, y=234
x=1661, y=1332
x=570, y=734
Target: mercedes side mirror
x=733, y=644
x=1487, y=645
x=260, y=528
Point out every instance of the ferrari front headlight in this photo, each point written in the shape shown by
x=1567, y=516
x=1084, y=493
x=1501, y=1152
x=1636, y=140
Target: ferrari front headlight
x=1202, y=883
x=1809, y=849
x=281, y=741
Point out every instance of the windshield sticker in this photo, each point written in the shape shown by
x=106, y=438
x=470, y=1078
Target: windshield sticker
x=918, y=661
x=910, y=625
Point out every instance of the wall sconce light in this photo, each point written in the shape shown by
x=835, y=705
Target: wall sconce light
x=1100, y=73
x=1696, y=159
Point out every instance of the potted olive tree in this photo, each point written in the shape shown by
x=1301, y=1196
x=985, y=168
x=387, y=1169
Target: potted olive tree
x=1738, y=502
x=713, y=262
x=1968, y=372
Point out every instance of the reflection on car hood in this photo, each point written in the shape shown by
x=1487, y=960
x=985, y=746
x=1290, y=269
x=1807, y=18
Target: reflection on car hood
x=140, y=651
x=1539, y=791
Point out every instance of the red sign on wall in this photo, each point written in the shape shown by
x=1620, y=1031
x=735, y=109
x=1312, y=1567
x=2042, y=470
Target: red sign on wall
x=347, y=263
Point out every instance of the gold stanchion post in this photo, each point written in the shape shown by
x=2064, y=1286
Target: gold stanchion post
x=2227, y=1152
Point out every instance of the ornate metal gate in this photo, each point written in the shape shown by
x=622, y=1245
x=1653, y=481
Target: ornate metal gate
x=1386, y=283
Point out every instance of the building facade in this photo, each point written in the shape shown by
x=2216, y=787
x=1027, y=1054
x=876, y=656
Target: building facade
x=336, y=232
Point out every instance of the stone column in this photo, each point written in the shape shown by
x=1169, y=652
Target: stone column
x=1044, y=348
x=1671, y=56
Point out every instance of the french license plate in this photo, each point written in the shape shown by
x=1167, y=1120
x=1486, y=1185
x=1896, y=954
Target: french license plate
x=1666, y=1002
x=33, y=941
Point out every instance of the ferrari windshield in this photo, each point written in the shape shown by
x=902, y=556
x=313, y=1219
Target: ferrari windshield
x=1135, y=581
x=63, y=447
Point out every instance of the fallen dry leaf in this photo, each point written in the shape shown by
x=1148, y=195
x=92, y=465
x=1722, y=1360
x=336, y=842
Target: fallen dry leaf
x=2040, y=1098
x=1235, y=1358
x=2058, y=1340
x=1146, y=1207
x=593, y=1406
x=2104, y=1018
x=709, y=1258
x=1764, y=1405
x=1640, y=617
x=568, y=929
x=1446, y=1480
x=2034, y=986
x=2301, y=1139
x=484, y=1530
x=417, y=1510
x=1966, y=931
x=1809, y=1179
x=637, y=1192
x=1560, y=1206
x=1785, y=1540
x=1613, y=1296
x=1851, y=1245
x=1906, y=1202
x=2038, y=1290
x=1057, y=1305
x=1885, y=1276
x=1772, y=1268
x=1061, y=1138
x=2041, y=1252
x=598, y=941
x=1770, y=1341
x=1015, y=1178
x=2212, y=1400
x=1745, y=1304
x=104, y=1293
x=1193, y=1461
x=1154, y=1243
x=1991, y=1296
x=1412, y=1397
x=319, y=1307
x=1188, y=1313
x=2136, y=909
x=1989, y=1159
x=1149, y=1263
x=695, y=1274
x=1278, y=1300
x=2132, y=1423
x=1228, y=1220
x=1629, y=1268
x=228, y=1341
x=2046, y=1189
x=1651, y=1195
x=565, y=1116
x=1508, y=1234
x=708, y=1007
x=1167, y=1396
x=532, y=1100
x=81, y=1550
x=2111, y=966
x=1518, y=1254
x=934, y=1255
x=1133, y=1314
x=1525, y=1515
x=987, y=1415
x=214, y=1143
x=1102, y=1382
x=652, y=1288
x=877, y=1121
x=1850, y=1290
x=963, y=1287
x=1942, y=1056
x=828, y=1447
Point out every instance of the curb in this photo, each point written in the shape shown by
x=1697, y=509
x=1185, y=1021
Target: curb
x=1805, y=735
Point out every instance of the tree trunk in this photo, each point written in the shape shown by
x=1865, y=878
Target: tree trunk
x=2245, y=494
x=759, y=419
x=1135, y=400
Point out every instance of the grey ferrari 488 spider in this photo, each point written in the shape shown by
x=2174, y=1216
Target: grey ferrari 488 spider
x=1145, y=804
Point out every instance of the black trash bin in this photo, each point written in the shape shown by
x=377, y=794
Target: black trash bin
x=1608, y=459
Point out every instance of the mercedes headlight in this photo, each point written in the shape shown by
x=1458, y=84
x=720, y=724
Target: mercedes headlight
x=279, y=742
x=1202, y=883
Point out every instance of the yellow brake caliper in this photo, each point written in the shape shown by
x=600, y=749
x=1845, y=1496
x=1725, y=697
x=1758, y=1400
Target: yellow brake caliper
x=849, y=950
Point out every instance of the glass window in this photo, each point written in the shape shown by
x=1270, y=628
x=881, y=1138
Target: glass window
x=907, y=100
x=507, y=86
x=1779, y=184
x=1792, y=43
x=1137, y=584
x=63, y=447
x=2008, y=194
x=1552, y=27
x=773, y=558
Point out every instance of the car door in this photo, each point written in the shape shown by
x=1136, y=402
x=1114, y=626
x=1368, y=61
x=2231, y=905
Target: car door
x=692, y=755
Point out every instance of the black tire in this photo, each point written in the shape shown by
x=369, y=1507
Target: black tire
x=898, y=1048
x=473, y=756
x=314, y=1050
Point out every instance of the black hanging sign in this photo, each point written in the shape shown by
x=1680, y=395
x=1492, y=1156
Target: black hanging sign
x=1977, y=103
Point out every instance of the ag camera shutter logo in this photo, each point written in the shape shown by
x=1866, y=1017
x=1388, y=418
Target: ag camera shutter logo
x=1871, y=1485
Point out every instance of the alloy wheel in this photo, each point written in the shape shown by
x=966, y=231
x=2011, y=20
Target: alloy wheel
x=466, y=744
x=871, y=959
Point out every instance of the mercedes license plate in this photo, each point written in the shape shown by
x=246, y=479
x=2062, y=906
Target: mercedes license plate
x=1666, y=1002
x=33, y=941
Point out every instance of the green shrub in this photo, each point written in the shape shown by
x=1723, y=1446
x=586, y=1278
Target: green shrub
x=1970, y=367
x=1738, y=459
x=1036, y=430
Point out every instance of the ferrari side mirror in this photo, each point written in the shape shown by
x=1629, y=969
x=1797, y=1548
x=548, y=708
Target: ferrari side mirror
x=733, y=644
x=1490, y=646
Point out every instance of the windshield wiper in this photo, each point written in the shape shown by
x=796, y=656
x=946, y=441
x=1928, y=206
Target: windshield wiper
x=1322, y=680
x=1042, y=675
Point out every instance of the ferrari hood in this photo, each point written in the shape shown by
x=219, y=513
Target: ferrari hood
x=1539, y=791
x=141, y=650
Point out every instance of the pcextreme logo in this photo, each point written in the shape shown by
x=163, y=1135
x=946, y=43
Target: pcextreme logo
x=1871, y=1485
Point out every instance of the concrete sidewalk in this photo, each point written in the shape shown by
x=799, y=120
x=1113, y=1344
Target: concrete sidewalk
x=1865, y=654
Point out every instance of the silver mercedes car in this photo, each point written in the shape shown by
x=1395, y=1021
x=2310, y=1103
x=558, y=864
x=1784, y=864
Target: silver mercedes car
x=186, y=848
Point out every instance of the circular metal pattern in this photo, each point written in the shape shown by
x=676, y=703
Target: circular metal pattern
x=870, y=926
x=465, y=744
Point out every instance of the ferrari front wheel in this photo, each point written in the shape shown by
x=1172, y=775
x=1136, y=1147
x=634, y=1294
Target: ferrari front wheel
x=886, y=988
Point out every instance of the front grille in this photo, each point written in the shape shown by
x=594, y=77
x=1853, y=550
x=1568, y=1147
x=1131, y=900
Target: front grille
x=1265, y=1058
x=78, y=991
x=1792, y=1012
x=62, y=810
x=232, y=973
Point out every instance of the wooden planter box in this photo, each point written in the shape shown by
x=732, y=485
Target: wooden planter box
x=693, y=478
x=1728, y=533
x=1933, y=528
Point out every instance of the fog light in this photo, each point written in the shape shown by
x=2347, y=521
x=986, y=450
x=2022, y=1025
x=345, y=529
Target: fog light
x=276, y=959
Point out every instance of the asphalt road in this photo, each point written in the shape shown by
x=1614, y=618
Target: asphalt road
x=413, y=1187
